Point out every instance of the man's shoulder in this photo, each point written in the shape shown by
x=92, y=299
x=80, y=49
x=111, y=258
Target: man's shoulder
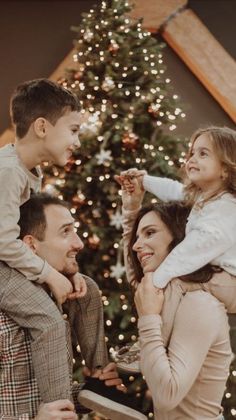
x=6, y=271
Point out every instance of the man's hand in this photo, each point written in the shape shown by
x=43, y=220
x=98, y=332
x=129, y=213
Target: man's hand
x=148, y=298
x=108, y=374
x=59, y=285
x=80, y=286
x=57, y=410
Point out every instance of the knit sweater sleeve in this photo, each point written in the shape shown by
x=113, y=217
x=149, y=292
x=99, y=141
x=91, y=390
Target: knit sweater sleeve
x=128, y=218
x=171, y=374
x=163, y=188
x=211, y=233
x=12, y=250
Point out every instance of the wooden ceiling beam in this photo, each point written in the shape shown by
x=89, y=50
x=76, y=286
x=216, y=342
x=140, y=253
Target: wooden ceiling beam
x=155, y=12
x=205, y=57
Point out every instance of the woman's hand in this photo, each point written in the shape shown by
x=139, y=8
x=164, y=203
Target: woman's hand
x=130, y=200
x=148, y=298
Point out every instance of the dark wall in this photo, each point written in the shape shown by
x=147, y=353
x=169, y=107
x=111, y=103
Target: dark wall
x=35, y=37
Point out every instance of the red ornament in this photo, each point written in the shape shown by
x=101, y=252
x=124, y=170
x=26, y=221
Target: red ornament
x=130, y=140
x=78, y=75
x=113, y=47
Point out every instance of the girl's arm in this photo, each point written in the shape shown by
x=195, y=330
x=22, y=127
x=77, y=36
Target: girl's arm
x=163, y=188
x=13, y=251
x=211, y=234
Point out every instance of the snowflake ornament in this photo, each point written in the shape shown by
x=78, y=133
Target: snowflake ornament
x=117, y=270
x=116, y=220
x=103, y=157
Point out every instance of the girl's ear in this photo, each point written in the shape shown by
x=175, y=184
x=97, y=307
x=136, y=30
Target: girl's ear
x=224, y=174
x=40, y=126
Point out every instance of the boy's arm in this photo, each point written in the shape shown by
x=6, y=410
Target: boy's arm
x=12, y=250
x=163, y=188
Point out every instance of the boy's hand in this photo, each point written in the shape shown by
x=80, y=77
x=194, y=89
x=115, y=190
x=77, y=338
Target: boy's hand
x=80, y=286
x=108, y=374
x=59, y=285
x=56, y=410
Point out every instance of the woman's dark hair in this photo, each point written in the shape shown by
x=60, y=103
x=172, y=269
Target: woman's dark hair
x=174, y=215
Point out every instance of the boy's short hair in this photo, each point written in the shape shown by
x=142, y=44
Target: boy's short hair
x=40, y=98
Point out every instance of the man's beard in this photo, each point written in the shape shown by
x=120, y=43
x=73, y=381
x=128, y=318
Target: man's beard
x=70, y=269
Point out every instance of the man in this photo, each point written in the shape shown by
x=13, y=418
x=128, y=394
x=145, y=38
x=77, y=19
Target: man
x=48, y=228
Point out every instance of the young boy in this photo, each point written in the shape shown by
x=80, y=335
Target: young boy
x=46, y=119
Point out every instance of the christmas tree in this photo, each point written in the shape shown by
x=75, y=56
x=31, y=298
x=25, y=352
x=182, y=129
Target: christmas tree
x=119, y=76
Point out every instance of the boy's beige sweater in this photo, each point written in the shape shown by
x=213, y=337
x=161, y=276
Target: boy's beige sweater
x=16, y=184
x=185, y=352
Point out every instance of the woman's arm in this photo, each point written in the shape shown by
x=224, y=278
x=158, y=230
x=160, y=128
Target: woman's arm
x=131, y=204
x=171, y=373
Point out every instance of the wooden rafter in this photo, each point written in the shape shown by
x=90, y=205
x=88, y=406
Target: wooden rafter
x=205, y=56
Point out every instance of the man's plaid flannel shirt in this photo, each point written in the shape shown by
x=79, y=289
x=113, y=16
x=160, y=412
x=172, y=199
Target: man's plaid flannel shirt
x=19, y=394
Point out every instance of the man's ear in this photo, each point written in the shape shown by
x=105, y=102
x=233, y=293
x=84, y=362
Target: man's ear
x=40, y=127
x=31, y=242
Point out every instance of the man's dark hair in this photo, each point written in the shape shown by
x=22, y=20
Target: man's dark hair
x=40, y=98
x=32, y=215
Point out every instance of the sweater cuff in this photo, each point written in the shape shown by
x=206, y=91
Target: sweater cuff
x=130, y=213
x=44, y=273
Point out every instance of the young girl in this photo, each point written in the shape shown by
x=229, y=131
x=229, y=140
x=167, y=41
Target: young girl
x=210, y=187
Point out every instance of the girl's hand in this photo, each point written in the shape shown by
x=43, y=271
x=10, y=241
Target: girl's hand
x=131, y=200
x=148, y=298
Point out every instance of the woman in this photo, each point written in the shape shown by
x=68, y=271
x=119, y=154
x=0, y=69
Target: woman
x=184, y=333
